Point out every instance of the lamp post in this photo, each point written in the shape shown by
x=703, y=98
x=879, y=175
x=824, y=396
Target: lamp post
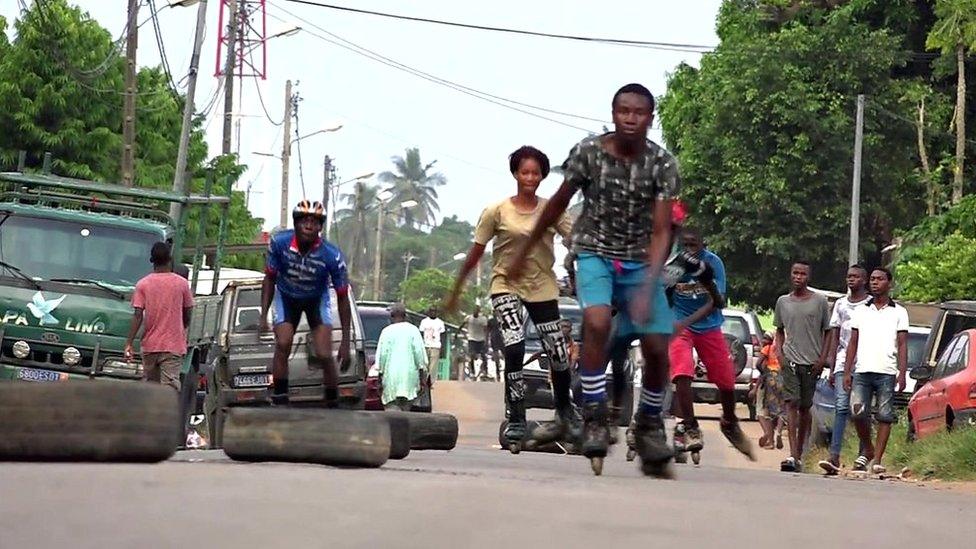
x=330, y=191
x=383, y=198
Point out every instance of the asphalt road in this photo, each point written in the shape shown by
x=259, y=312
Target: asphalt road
x=473, y=496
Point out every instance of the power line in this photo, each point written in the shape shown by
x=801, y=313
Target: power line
x=160, y=44
x=359, y=50
x=690, y=48
x=298, y=141
x=264, y=107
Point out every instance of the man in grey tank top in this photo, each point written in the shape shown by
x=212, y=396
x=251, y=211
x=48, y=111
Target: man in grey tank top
x=802, y=320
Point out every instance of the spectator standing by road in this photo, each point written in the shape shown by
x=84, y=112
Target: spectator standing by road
x=840, y=336
x=402, y=360
x=162, y=301
x=432, y=329
x=877, y=358
x=477, y=325
x=802, y=320
x=772, y=415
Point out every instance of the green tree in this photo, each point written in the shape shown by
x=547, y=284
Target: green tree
x=355, y=222
x=939, y=271
x=955, y=34
x=429, y=287
x=763, y=134
x=414, y=180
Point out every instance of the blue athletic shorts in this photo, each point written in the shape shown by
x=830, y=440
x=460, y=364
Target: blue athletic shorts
x=604, y=281
x=318, y=310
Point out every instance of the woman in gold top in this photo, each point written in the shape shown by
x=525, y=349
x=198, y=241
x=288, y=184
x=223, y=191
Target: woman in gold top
x=507, y=224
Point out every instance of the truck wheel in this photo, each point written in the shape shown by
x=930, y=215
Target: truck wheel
x=431, y=431
x=329, y=437
x=88, y=421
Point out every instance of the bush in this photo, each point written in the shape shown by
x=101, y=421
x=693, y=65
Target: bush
x=939, y=271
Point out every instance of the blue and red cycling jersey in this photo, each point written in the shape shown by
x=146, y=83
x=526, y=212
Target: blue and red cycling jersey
x=307, y=276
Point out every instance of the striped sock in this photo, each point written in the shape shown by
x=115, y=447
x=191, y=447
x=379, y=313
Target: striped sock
x=650, y=402
x=594, y=387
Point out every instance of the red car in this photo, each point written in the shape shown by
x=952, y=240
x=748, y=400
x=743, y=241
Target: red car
x=948, y=397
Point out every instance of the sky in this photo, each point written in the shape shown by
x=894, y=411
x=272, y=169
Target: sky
x=384, y=111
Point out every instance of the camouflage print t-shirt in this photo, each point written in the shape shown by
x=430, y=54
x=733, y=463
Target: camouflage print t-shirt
x=618, y=197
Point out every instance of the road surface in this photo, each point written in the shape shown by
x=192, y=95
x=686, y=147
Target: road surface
x=473, y=496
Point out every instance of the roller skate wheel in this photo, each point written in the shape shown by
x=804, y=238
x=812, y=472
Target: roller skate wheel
x=681, y=457
x=514, y=447
x=696, y=457
x=596, y=463
x=631, y=454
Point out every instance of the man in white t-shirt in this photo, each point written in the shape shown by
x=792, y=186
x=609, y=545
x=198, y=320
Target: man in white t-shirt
x=877, y=358
x=840, y=335
x=432, y=328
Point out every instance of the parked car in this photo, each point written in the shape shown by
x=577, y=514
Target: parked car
x=538, y=390
x=743, y=333
x=947, y=397
x=952, y=318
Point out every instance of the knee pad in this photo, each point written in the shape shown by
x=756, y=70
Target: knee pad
x=554, y=342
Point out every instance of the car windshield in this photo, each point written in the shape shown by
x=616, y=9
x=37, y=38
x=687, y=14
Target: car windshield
x=53, y=248
x=916, y=348
x=374, y=320
x=738, y=327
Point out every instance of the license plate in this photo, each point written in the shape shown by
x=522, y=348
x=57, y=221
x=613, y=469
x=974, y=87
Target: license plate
x=30, y=374
x=252, y=380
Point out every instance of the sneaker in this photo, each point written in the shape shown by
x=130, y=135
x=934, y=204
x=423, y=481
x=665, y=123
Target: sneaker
x=829, y=467
x=878, y=469
x=789, y=465
x=861, y=464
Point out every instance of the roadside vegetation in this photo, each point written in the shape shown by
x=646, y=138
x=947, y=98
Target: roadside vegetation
x=949, y=455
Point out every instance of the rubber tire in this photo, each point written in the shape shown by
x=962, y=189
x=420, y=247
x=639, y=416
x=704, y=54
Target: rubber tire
x=399, y=433
x=326, y=436
x=88, y=421
x=737, y=353
x=430, y=431
x=551, y=448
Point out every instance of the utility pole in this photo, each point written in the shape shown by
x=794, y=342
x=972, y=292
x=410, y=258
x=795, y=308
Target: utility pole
x=326, y=189
x=232, y=24
x=179, y=178
x=856, y=184
x=286, y=155
x=407, y=258
x=377, y=256
x=129, y=99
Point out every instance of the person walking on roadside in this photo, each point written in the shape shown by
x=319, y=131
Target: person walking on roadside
x=300, y=268
x=163, y=302
x=477, y=326
x=698, y=299
x=840, y=335
x=877, y=359
x=621, y=241
x=507, y=225
x=497, y=345
x=772, y=408
x=402, y=359
x=432, y=329
x=802, y=320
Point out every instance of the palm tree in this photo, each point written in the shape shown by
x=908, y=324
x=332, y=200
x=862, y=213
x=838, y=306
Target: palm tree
x=362, y=202
x=413, y=180
x=955, y=33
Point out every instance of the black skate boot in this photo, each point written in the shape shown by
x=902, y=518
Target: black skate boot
x=595, y=440
x=631, y=441
x=612, y=420
x=732, y=431
x=652, y=444
x=515, y=431
x=563, y=428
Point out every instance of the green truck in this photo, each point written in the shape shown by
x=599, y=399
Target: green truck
x=71, y=252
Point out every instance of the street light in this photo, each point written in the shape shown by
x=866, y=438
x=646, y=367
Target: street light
x=383, y=197
x=457, y=257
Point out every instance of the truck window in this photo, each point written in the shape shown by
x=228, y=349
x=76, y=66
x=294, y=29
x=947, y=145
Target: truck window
x=69, y=249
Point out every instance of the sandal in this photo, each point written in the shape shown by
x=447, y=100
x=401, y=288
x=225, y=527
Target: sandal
x=861, y=464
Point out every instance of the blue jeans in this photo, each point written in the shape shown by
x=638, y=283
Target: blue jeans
x=868, y=385
x=842, y=411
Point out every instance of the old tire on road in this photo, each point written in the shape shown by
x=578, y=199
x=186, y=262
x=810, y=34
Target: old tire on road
x=88, y=421
x=399, y=433
x=329, y=437
x=430, y=431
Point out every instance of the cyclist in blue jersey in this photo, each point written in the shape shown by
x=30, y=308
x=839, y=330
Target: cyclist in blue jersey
x=301, y=266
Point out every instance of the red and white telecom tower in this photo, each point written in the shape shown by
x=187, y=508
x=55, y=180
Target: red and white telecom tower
x=247, y=41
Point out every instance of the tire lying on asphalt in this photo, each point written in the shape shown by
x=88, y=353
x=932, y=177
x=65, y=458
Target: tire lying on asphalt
x=399, y=433
x=430, y=431
x=329, y=437
x=88, y=421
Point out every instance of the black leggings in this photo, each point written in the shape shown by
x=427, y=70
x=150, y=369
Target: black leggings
x=510, y=310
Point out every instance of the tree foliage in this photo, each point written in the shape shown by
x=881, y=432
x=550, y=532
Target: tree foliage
x=414, y=180
x=61, y=89
x=939, y=271
x=763, y=132
x=428, y=287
